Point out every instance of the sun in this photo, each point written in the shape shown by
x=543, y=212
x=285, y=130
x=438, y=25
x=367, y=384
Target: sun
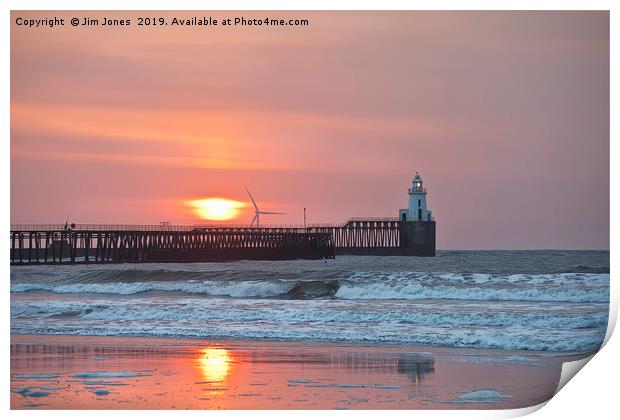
x=216, y=208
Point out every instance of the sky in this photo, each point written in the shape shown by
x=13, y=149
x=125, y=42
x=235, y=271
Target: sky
x=505, y=115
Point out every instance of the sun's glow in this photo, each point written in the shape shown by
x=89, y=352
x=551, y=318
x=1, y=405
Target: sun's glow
x=216, y=208
x=215, y=364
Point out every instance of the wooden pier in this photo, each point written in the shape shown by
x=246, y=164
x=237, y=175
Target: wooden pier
x=379, y=236
x=131, y=246
x=52, y=244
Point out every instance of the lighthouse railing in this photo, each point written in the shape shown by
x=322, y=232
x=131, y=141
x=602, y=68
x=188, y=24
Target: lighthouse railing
x=417, y=190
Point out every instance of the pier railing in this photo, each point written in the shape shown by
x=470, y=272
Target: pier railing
x=184, y=228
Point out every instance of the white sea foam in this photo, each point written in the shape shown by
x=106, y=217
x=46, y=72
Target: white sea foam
x=567, y=327
x=579, y=287
x=558, y=288
x=512, y=338
x=483, y=395
x=556, y=312
x=232, y=289
x=323, y=312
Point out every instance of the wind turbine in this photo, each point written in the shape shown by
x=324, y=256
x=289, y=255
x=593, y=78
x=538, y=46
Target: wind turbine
x=257, y=212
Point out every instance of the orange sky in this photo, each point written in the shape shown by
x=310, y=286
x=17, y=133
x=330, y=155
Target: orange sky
x=505, y=114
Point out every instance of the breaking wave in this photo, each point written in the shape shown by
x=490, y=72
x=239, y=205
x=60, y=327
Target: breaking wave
x=517, y=327
x=558, y=301
x=429, y=314
x=567, y=287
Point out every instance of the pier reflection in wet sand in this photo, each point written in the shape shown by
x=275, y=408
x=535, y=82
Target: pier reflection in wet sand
x=68, y=372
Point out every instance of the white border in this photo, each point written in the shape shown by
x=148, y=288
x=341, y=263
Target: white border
x=593, y=394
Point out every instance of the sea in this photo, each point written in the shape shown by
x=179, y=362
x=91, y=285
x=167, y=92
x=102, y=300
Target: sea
x=554, y=301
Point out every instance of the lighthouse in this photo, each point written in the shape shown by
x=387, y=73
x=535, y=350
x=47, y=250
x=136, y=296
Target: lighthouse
x=417, y=226
x=417, y=211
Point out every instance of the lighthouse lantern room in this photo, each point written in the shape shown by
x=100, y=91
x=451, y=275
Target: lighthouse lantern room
x=417, y=211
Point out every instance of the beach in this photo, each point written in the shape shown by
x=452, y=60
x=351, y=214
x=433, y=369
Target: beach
x=78, y=372
x=467, y=330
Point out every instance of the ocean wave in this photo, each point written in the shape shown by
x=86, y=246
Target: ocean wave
x=317, y=312
x=236, y=289
x=471, y=299
x=567, y=287
x=510, y=338
x=574, y=287
x=81, y=274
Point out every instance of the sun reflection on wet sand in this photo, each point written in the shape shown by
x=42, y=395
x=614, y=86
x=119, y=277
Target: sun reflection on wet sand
x=70, y=372
x=214, y=364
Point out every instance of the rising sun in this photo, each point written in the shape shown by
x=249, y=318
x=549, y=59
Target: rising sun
x=216, y=208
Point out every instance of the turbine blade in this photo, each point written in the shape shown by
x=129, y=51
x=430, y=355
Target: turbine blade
x=252, y=198
x=253, y=220
x=270, y=212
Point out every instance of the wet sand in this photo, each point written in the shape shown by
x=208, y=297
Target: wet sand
x=74, y=372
